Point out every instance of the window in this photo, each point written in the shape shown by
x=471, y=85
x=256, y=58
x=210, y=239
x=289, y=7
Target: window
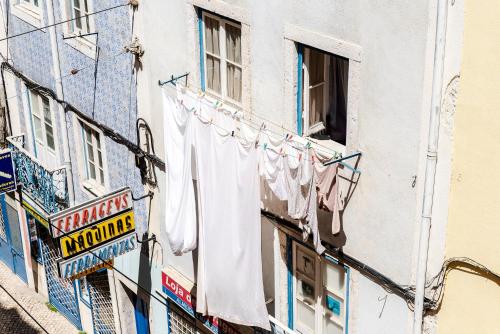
x=324, y=94
x=42, y=123
x=320, y=293
x=93, y=153
x=29, y=11
x=222, y=57
x=80, y=25
x=34, y=3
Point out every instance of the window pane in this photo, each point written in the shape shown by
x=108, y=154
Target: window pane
x=305, y=317
x=50, y=137
x=306, y=264
x=233, y=43
x=234, y=82
x=90, y=151
x=99, y=155
x=92, y=170
x=35, y=2
x=212, y=35
x=305, y=290
x=334, y=278
x=35, y=104
x=46, y=110
x=336, y=118
x=333, y=306
x=37, y=122
x=213, y=73
x=316, y=110
x=97, y=139
x=316, y=67
x=332, y=328
x=78, y=19
x=101, y=173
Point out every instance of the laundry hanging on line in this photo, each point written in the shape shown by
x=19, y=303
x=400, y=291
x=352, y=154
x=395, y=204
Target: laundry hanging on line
x=180, y=206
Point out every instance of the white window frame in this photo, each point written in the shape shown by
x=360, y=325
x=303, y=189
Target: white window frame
x=72, y=26
x=320, y=291
x=222, y=57
x=43, y=120
x=27, y=11
x=90, y=186
x=84, y=44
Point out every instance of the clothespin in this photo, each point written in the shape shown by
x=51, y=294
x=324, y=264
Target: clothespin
x=308, y=145
x=313, y=157
x=300, y=156
x=211, y=121
x=262, y=126
x=232, y=133
x=265, y=146
x=281, y=150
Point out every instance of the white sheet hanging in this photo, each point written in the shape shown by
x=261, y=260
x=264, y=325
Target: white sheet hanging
x=180, y=209
x=229, y=284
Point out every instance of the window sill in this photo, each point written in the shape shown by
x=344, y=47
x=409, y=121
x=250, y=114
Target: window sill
x=92, y=189
x=28, y=14
x=82, y=44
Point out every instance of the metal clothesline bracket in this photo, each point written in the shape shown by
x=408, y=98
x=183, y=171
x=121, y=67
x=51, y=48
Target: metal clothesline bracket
x=173, y=79
x=341, y=161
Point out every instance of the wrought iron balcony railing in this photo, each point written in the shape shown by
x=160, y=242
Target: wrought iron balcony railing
x=48, y=188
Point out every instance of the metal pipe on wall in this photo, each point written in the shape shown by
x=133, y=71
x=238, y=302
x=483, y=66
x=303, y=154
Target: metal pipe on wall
x=60, y=95
x=431, y=163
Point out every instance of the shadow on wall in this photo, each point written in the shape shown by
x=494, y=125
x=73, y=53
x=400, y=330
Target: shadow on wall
x=12, y=322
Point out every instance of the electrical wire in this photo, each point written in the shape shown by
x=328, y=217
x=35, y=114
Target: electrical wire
x=22, y=308
x=68, y=107
x=437, y=283
x=62, y=22
x=71, y=74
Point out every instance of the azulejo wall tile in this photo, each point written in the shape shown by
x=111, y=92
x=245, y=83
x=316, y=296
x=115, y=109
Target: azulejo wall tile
x=115, y=102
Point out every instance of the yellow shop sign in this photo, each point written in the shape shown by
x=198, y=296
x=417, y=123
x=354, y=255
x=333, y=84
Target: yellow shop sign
x=96, y=235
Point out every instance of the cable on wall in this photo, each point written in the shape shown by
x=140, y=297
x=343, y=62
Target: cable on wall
x=65, y=21
x=107, y=131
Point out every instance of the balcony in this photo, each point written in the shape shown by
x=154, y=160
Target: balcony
x=48, y=188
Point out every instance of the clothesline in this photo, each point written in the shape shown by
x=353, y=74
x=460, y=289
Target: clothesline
x=263, y=146
x=287, y=139
x=218, y=104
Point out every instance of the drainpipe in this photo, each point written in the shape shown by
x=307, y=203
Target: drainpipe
x=60, y=96
x=430, y=166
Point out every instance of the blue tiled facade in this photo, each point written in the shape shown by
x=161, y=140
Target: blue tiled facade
x=115, y=104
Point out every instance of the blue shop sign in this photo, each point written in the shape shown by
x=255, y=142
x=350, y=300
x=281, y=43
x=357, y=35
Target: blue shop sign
x=7, y=174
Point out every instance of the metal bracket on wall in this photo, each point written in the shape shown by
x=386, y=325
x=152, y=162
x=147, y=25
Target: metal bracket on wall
x=341, y=161
x=173, y=79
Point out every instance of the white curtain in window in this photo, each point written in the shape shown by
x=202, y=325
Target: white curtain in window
x=233, y=50
x=212, y=49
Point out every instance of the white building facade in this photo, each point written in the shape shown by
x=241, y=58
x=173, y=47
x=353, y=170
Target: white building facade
x=279, y=62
